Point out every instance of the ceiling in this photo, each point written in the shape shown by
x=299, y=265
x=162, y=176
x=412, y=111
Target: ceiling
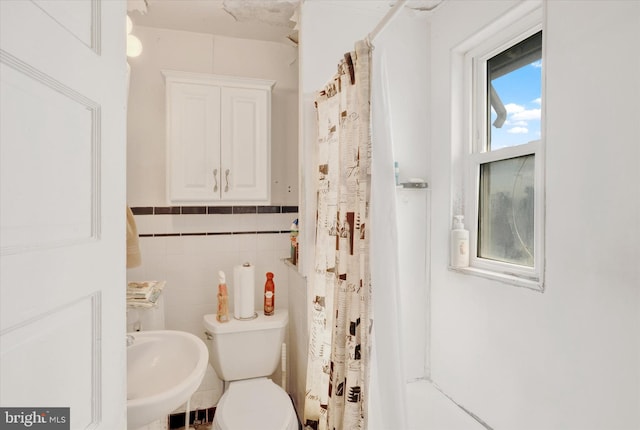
x=248, y=19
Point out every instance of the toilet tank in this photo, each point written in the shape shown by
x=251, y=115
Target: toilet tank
x=245, y=349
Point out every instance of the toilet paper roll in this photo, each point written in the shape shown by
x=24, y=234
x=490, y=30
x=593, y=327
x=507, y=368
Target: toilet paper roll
x=244, y=278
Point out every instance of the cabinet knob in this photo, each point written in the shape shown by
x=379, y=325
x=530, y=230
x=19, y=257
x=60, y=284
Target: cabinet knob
x=215, y=178
x=226, y=187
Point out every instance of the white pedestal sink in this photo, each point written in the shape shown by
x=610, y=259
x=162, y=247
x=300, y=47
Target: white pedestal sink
x=164, y=368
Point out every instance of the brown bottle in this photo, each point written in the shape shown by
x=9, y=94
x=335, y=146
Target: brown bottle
x=269, y=295
x=223, y=299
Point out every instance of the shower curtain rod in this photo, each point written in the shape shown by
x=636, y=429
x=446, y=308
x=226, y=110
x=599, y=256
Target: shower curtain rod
x=385, y=21
x=391, y=14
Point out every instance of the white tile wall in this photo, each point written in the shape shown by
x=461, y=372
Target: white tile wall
x=189, y=265
x=213, y=223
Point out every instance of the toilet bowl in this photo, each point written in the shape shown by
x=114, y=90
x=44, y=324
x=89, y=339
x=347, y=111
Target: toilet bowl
x=256, y=404
x=244, y=354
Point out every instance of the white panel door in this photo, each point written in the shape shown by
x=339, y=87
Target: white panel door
x=62, y=207
x=194, y=149
x=246, y=134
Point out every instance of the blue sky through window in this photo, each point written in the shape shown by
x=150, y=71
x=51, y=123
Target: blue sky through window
x=520, y=92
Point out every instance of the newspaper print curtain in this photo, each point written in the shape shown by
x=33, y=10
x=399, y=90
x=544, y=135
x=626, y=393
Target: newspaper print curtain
x=338, y=363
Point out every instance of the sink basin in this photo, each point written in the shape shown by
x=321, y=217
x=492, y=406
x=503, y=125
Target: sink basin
x=164, y=368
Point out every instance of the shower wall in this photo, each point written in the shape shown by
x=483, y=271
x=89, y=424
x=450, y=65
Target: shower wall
x=567, y=358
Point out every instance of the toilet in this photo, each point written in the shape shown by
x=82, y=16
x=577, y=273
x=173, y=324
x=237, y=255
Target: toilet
x=243, y=354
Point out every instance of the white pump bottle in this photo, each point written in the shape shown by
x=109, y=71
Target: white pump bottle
x=459, y=243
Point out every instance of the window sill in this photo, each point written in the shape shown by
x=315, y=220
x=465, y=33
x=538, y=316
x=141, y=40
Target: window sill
x=532, y=284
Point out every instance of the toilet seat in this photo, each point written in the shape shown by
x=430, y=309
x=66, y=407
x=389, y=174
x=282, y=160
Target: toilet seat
x=255, y=404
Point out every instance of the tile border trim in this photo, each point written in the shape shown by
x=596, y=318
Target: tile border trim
x=211, y=210
x=216, y=233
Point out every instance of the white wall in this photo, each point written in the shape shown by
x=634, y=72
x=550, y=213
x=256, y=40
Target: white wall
x=405, y=51
x=298, y=345
x=568, y=358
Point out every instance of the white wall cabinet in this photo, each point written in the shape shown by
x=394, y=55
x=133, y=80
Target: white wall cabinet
x=218, y=139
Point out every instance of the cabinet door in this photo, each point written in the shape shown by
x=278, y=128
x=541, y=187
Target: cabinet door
x=194, y=143
x=245, y=152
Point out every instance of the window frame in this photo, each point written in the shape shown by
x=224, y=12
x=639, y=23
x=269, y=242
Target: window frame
x=473, y=55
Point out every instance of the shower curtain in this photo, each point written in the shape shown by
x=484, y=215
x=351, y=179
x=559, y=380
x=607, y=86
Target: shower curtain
x=387, y=403
x=339, y=345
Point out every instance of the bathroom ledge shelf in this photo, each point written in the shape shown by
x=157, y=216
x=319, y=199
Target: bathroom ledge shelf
x=532, y=284
x=289, y=263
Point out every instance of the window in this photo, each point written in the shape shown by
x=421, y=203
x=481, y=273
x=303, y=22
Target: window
x=503, y=165
x=506, y=223
x=510, y=84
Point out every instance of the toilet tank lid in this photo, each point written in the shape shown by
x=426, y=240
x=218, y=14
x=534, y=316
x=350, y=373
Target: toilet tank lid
x=279, y=319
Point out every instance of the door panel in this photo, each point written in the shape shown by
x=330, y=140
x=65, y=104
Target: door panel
x=66, y=122
x=81, y=19
x=194, y=147
x=246, y=144
x=50, y=336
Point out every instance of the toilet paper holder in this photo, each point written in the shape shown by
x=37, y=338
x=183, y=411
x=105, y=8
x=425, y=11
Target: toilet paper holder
x=252, y=317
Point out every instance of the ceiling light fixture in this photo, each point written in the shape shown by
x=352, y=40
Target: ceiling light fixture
x=134, y=45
